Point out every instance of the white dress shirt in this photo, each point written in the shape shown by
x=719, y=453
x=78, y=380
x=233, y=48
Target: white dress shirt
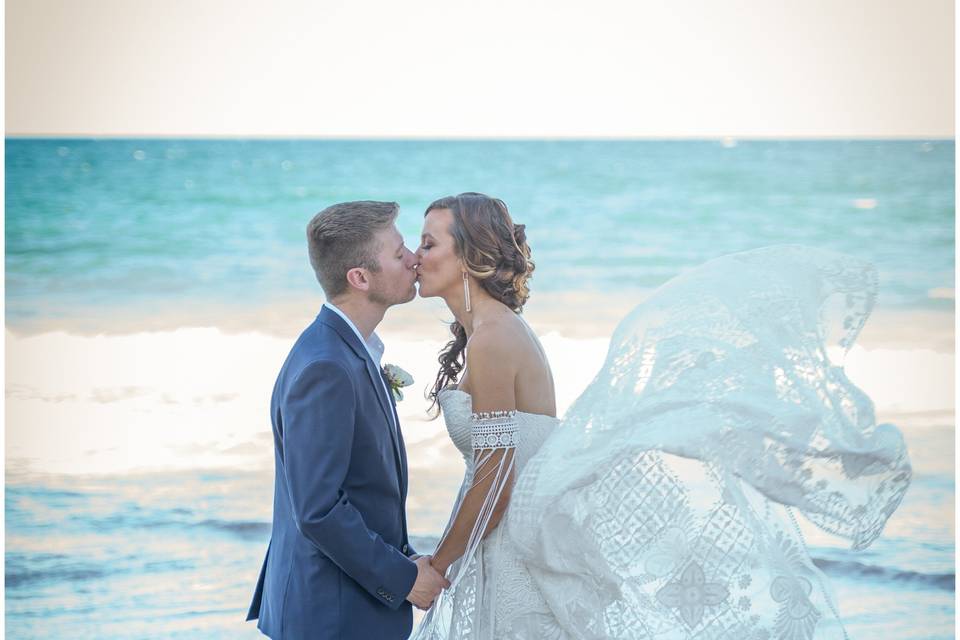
x=374, y=347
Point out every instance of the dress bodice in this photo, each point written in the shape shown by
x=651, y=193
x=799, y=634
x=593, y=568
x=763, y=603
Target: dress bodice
x=532, y=428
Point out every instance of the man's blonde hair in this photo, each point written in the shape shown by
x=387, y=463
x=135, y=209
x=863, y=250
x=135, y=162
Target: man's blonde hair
x=341, y=237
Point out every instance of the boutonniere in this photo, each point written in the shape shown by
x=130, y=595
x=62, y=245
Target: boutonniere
x=397, y=378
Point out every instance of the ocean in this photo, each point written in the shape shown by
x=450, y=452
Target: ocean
x=153, y=288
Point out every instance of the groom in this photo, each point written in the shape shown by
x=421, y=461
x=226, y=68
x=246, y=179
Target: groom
x=339, y=564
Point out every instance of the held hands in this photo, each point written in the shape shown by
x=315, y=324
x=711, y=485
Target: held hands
x=428, y=585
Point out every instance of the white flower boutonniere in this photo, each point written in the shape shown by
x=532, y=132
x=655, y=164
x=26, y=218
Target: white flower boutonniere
x=397, y=379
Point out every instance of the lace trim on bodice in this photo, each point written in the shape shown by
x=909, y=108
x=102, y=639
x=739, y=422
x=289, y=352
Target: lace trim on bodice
x=494, y=430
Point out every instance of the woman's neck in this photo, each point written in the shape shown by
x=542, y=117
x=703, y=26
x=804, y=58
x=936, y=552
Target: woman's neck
x=483, y=308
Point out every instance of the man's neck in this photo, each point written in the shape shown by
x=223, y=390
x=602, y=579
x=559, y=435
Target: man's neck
x=364, y=315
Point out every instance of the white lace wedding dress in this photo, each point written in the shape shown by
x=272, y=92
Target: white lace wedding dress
x=495, y=597
x=662, y=505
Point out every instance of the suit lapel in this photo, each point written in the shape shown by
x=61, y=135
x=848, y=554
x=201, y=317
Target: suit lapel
x=403, y=459
x=400, y=447
x=332, y=319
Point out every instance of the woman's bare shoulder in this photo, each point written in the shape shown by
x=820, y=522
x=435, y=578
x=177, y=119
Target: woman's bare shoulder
x=498, y=339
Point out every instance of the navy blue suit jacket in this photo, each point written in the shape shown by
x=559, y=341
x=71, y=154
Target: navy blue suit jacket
x=338, y=562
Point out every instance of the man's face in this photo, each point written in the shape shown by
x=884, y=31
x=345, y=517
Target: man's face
x=394, y=283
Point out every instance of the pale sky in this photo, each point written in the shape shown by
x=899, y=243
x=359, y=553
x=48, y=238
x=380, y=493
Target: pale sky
x=437, y=68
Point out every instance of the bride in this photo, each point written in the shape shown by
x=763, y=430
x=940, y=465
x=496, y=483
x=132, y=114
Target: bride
x=662, y=505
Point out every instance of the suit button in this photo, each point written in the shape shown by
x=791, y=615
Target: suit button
x=406, y=548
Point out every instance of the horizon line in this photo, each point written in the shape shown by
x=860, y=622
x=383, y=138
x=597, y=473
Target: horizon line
x=467, y=138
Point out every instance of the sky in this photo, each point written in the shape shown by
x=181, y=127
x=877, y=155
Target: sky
x=453, y=68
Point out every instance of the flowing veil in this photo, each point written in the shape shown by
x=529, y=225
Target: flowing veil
x=663, y=505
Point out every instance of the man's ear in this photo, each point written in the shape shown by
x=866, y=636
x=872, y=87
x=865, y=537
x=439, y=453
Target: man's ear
x=358, y=278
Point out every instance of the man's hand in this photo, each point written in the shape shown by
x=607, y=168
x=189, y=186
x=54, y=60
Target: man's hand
x=428, y=586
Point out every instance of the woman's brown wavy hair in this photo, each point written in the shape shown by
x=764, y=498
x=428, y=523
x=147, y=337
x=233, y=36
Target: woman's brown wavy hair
x=494, y=250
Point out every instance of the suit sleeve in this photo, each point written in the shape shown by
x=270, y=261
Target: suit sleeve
x=318, y=425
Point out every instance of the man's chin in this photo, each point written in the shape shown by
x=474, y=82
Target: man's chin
x=410, y=296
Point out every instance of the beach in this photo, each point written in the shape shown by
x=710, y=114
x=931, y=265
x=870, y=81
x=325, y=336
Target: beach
x=152, y=297
x=192, y=398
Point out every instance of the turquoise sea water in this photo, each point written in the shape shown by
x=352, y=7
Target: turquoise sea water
x=153, y=225
x=141, y=228
x=177, y=556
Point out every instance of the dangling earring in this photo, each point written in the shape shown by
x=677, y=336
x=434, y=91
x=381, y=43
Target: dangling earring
x=466, y=290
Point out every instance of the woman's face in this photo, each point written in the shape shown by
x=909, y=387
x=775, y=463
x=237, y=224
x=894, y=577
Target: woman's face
x=440, y=268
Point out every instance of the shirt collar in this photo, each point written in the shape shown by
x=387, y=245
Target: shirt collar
x=374, y=344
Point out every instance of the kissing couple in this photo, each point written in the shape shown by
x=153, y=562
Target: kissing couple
x=662, y=505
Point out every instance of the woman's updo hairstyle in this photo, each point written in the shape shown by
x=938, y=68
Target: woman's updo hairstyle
x=494, y=250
